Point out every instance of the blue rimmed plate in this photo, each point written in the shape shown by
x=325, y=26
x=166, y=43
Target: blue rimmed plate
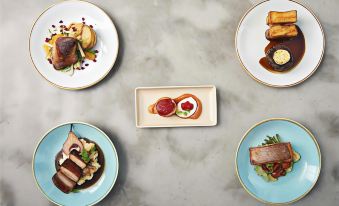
x=44, y=168
x=295, y=184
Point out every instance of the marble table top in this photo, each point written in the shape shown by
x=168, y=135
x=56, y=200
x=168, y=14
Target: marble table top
x=165, y=166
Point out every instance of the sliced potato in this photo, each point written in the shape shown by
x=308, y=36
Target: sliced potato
x=86, y=37
x=94, y=39
x=76, y=32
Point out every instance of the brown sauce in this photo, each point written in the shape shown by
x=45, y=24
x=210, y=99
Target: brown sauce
x=96, y=175
x=296, y=45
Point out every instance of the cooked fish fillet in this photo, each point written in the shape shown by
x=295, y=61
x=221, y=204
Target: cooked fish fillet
x=63, y=183
x=77, y=159
x=286, y=17
x=280, y=152
x=71, y=170
x=281, y=31
x=64, y=52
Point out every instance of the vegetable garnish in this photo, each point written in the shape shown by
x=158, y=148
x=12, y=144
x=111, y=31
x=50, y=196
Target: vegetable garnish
x=85, y=156
x=182, y=112
x=270, y=172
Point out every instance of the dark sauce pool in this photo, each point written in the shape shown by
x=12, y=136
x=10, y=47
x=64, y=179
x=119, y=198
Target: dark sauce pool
x=296, y=45
x=96, y=175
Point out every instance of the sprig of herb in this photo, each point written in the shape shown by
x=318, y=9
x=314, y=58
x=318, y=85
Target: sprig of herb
x=90, y=51
x=85, y=156
x=75, y=190
x=272, y=140
x=93, y=149
x=183, y=112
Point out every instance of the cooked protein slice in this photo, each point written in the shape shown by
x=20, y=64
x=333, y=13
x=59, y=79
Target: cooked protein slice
x=281, y=31
x=71, y=170
x=280, y=152
x=286, y=17
x=75, y=157
x=62, y=182
x=64, y=52
x=72, y=143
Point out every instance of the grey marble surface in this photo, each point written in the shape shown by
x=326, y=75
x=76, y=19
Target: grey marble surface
x=178, y=166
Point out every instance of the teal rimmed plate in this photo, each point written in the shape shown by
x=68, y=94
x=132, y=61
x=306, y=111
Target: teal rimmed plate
x=44, y=168
x=295, y=184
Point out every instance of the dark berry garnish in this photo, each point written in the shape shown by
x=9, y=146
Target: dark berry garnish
x=96, y=51
x=86, y=65
x=83, y=19
x=94, y=60
x=50, y=61
x=61, y=22
x=53, y=26
x=91, y=26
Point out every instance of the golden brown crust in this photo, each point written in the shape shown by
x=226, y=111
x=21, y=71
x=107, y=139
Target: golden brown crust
x=285, y=17
x=198, y=112
x=273, y=153
x=281, y=31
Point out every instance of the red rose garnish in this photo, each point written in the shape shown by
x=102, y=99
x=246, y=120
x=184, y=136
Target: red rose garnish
x=187, y=106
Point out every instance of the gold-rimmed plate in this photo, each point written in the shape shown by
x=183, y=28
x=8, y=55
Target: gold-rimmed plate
x=297, y=183
x=43, y=165
x=250, y=42
x=65, y=13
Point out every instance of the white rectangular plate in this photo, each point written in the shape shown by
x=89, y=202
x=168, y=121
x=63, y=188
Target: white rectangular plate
x=145, y=96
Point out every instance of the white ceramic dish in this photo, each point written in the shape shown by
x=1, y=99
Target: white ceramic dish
x=107, y=43
x=250, y=42
x=145, y=96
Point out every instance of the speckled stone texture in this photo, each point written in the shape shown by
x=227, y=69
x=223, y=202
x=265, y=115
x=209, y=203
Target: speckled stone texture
x=182, y=42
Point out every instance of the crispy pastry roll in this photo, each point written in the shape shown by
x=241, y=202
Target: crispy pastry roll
x=286, y=17
x=281, y=31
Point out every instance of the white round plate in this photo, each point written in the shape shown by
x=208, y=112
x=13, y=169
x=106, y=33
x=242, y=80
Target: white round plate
x=107, y=43
x=250, y=42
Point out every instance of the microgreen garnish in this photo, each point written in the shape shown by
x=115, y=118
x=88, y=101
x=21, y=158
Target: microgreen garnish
x=85, y=156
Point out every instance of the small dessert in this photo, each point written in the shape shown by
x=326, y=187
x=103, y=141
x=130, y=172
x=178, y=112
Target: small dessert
x=79, y=164
x=273, y=158
x=287, y=42
x=189, y=106
x=185, y=106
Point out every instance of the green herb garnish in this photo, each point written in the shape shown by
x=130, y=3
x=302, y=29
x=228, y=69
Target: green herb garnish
x=75, y=190
x=90, y=51
x=182, y=112
x=85, y=156
x=93, y=149
x=271, y=140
